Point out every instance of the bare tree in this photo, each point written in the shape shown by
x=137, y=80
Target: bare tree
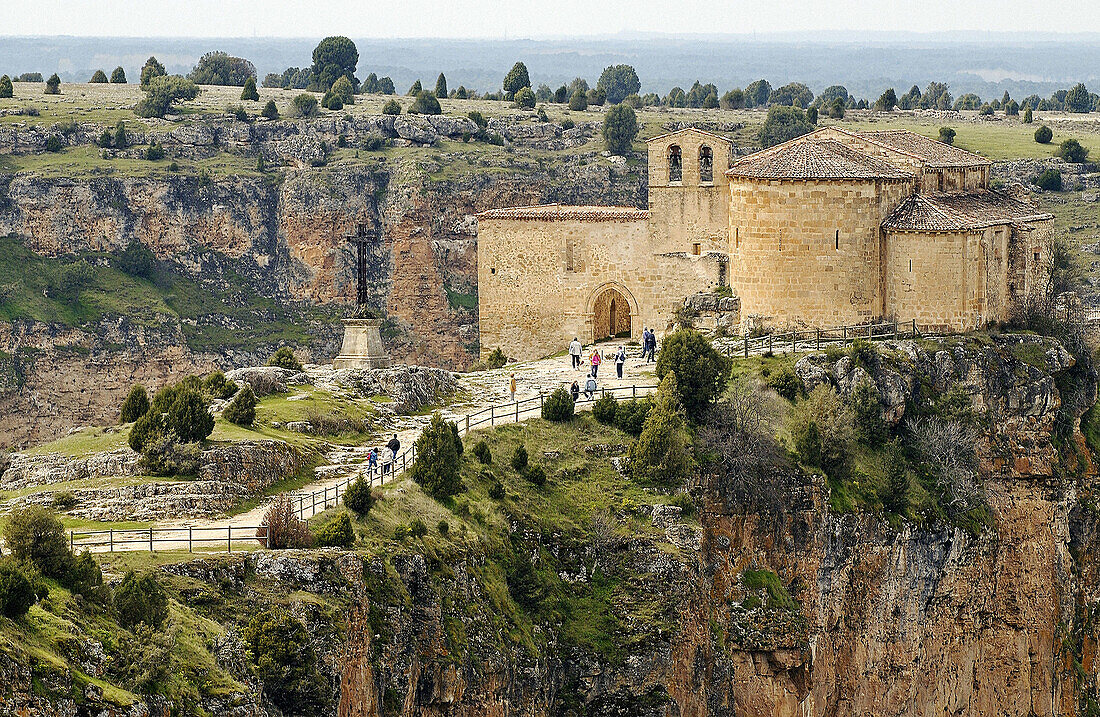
x=950, y=446
x=282, y=528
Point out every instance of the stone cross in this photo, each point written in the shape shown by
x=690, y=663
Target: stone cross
x=361, y=238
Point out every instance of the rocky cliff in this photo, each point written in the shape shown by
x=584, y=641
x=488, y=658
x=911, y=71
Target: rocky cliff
x=273, y=249
x=771, y=602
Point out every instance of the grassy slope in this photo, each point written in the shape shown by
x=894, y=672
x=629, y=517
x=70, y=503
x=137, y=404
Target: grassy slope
x=608, y=614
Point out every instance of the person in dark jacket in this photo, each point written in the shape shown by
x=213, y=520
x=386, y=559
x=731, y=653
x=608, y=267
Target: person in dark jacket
x=394, y=445
x=575, y=391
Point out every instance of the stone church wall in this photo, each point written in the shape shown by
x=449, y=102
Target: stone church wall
x=809, y=252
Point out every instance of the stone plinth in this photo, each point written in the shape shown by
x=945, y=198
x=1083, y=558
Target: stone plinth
x=362, y=345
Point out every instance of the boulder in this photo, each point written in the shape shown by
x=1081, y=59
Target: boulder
x=415, y=129
x=452, y=126
x=268, y=379
x=410, y=388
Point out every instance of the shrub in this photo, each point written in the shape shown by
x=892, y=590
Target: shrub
x=63, y=500
x=701, y=372
x=270, y=111
x=568, y=124
x=118, y=76
x=162, y=92
x=947, y=135
x=239, y=113
x=661, y=454
x=864, y=354
x=1050, y=180
x=140, y=599
x=558, y=406
x=496, y=490
x=148, y=428
x=305, y=105
x=136, y=404
x=163, y=455
x=54, y=143
x=822, y=428
x=438, y=456
x=684, y=502
x=417, y=528
x=17, y=593
x=536, y=476
x=284, y=358
x=618, y=82
x=155, y=152
x=216, y=385
x=620, y=127
x=392, y=107
x=189, y=416
x=98, y=77
x=784, y=123
x=36, y=535
x=1043, y=135
x=7, y=90
x=121, y=141
x=242, y=409
x=281, y=649
x=478, y=119
x=358, y=497
x=482, y=453
x=1072, y=151
x=137, y=260
x=425, y=104
x=53, y=85
x=85, y=577
x=415, y=89
x=335, y=533
x=282, y=528
x=517, y=78
x=895, y=491
x=1028, y=116
x=519, y=458
x=630, y=415
x=604, y=409
x=867, y=412
x=496, y=359
x=249, y=92
x=400, y=532
x=785, y=382
x=525, y=98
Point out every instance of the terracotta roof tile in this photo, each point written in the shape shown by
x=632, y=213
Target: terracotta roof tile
x=563, y=212
x=933, y=153
x=814, y=158
x=960, y=211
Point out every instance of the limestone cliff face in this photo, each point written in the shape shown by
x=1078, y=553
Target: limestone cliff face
x=286, y=242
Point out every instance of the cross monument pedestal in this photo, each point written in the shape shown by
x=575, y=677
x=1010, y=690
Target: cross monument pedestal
x=362, y=346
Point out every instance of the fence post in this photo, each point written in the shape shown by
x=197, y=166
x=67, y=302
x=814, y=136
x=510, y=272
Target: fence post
x=229, y=538
x=71, y=541
x=870, y=329
x=491, y=419
x=189, y=538
x=844, y=332
x=794, y=343
x=467, y=423
x=770, y=347
x=517, y=411
x=633, y=390
x=150, y=539
x=267, y=537
x=112, y=539
x=914, y=328
x=313, y=496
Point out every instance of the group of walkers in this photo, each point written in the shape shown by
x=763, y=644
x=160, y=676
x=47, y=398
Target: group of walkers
x=374, y=456
x=649, y=348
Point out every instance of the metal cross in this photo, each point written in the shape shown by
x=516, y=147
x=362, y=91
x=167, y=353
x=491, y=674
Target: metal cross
x=364, y=236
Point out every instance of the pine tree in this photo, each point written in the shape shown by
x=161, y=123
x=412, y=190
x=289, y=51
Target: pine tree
x=118, y=77
x=441, y=87
x=6, y=88
x=415, y=89
x=249, y=92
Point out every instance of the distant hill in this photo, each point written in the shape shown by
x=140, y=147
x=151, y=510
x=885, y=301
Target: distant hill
x=987, y=66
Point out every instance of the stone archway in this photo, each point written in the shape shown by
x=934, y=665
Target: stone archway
x=611, y=314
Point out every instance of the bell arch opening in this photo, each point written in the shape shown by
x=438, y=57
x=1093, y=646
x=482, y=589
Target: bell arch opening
x=611, y=315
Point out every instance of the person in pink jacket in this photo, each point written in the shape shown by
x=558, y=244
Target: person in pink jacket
x=595, y=362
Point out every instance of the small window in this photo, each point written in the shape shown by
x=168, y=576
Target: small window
x=737, y=237
x=910, y=266
x=706, y=164
x=837, y=238
x=696, y=248
x=492, y=270
x=1036, y=255
x=675, y=164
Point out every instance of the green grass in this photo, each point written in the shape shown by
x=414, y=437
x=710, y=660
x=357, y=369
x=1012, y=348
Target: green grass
x=85, y=442
x=778, y=597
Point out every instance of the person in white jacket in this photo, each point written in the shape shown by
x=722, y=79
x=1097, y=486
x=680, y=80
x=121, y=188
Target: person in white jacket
x=575, y=352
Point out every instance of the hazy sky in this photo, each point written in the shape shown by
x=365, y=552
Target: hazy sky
x=523, y=19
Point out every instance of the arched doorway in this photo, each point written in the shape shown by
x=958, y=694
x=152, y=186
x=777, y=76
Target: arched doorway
x=611, y=315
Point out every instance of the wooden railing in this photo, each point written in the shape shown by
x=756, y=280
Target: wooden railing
x=310, y=504
x=815, y=339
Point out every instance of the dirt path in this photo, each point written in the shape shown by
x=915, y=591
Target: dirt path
x=477, y=392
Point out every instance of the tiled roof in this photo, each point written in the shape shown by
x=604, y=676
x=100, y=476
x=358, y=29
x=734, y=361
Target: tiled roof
x=814, y=158
x=691, y=129
x=933, y=153
x=562, y=212
x=960, y=211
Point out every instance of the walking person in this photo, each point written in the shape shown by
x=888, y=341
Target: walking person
x=620, y=359
x=575, y=352
x=595, y=362
x=645, y=341
x=590, y=387
x=372, y=461
x=512, y=387
x=575, y=391
x=652, y=347
x=394, y=445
